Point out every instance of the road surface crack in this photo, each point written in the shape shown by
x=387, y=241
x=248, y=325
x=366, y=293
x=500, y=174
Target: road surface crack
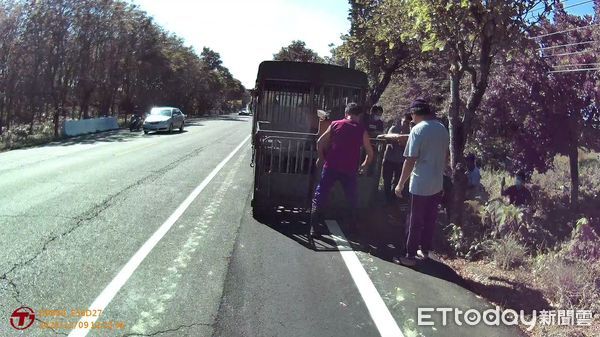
x=12, y=284
x=96, y=210
x=181, y=327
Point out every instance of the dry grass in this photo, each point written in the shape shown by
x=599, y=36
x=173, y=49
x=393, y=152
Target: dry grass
x=508, y=253
x=565, y=273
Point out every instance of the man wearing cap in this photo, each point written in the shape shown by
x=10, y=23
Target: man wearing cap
x=426, y=156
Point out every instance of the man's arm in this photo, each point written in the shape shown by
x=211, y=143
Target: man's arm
x=412, y=151
x=369, y=148
x=401, y=139
x=323, y=145
x=407, y=168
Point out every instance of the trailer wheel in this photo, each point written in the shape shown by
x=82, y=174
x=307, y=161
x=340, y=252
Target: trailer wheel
x=259, y=214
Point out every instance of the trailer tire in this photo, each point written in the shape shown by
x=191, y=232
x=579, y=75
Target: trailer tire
x=259, y=214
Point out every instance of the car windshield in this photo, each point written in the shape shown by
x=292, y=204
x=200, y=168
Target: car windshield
x=161, y=112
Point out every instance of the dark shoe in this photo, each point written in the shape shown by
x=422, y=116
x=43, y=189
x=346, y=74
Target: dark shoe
x=408, y=261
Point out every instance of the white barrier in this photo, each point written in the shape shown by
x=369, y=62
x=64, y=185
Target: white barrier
x=84, y=126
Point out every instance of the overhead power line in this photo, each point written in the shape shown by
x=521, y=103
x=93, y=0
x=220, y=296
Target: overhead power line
x=565, y=31
x=572, y=53
x=541, y=5
x=567, y=45
x=574, y=70
x=579, y=4
x=577, y=65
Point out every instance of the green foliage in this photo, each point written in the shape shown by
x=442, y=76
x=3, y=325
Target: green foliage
x=484, y=225
x=376, y=42
x=584, y=243
x=469, y=239
x=298, y=52
x=507, y=252
x=569, y=283
x=79, y=59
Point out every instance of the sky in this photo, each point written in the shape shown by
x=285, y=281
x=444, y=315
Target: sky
x=247, y=32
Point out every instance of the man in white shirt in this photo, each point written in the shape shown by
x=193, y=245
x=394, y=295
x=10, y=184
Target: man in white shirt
x=473, y=177
x=426, y=158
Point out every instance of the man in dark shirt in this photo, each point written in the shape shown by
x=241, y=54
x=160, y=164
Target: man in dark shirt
x=393, y=158
x=517, y=194
x=375, y=123
x=339, y=155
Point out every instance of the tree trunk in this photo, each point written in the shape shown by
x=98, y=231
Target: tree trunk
x=376, y=92
x=574, y=171
x=32, y=121
x=1, y=116
x=381, y=83
x=456, y=150
x=56, y=120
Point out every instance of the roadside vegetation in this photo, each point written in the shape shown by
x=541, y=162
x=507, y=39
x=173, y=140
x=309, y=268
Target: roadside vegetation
x=79, y=59
x=518, y=86
x=542, y=256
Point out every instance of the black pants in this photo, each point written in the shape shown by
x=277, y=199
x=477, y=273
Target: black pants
x=423, y=216
x=391, y=176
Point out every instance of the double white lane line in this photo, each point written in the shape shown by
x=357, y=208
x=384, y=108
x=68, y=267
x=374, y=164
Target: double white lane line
x=125, y=273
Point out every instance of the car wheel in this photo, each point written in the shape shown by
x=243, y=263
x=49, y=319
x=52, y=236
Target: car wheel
x=181, y=127
x=171, y=128
x=145, y=132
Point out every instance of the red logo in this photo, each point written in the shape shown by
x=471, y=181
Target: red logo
x=22, y=318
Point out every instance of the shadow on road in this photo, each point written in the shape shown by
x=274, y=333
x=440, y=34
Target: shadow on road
x=165, y=133
x=193, y=123
x=511, y=295
x=234, y=118
x=380, y=233
x=104, y=137
x=294, y=224
x=111, y=137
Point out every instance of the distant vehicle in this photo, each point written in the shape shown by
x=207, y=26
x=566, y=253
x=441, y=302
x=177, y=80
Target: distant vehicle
x=164, y=119
x=244, y=112
x=135, y=123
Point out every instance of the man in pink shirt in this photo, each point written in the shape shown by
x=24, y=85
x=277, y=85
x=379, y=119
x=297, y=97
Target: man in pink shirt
x=339, y=153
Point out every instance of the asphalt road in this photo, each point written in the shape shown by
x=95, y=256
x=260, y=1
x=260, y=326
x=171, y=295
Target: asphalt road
x=108, y=219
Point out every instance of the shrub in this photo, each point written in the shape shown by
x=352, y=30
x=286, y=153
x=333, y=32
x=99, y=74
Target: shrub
x=503, y=219
x=507, y=252
x=569, y=283
x=585, y=242
x=468, y=239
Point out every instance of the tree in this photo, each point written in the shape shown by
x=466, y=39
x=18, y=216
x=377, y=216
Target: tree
x=298, y=52
x=375, y=44
x=211, y=59
x=566, y=46
x=83, y=58
x=469, y=35
x=518, y=126
x=537, y=107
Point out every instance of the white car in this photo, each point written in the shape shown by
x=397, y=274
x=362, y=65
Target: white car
x=164, y=119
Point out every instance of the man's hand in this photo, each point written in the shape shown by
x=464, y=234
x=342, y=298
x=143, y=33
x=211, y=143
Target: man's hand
x=363, y=168
x=398, y=191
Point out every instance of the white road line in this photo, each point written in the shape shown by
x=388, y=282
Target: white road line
x=383, y=319
x=125, y=273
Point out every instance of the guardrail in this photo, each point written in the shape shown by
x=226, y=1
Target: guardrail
x=84, y=126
